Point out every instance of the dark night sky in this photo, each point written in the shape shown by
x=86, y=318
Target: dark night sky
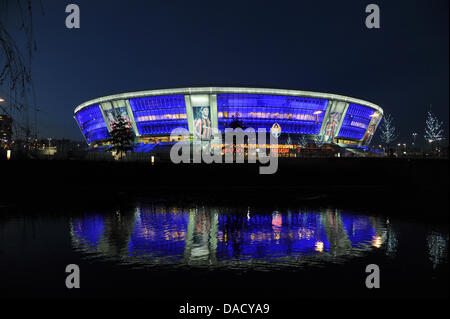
x=308, y=45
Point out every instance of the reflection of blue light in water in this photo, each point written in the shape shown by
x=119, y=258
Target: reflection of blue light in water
x=358, y=228
x=159, y=234
x=89, y=229
x=174, y=235
x=266, y=236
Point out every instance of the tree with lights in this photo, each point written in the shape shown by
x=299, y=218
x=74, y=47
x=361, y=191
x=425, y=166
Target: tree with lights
x=388, y=132
x=122, y=137
x=289, y=140
x=289, y=143
x=302, y=141
x=433, y=130
x=319, y=142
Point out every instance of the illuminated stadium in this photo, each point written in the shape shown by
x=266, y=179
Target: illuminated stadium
x=320, y=118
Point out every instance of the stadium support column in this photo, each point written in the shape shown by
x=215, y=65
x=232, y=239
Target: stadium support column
x=104, y=106
x=371, y=128
x=334, y=116
x=214, y=118
x=196, y=101
x=325, y=117
x=131, y=115
x=344, y=106
x=189, y=114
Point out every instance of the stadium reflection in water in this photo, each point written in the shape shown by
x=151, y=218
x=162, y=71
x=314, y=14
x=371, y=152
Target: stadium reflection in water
x=214, y=237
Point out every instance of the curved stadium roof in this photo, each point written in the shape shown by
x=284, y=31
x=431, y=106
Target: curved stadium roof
x=330, y=117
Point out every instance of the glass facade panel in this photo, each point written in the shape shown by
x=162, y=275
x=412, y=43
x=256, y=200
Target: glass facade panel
x=159, y=114
x=92, y=124
x=356, y=121
x=294, y=114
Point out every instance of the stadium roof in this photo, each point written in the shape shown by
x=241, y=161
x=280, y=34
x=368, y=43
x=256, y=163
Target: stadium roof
x=237, y=90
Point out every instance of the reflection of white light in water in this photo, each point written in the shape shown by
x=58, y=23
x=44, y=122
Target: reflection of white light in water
x=153, y=160
x=319, y=246
x=377, y=241
x=8, y=154
x=248, y=216
x=199, y=251
x=437, y=247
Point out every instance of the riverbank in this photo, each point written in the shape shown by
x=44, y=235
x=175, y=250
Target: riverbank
x=406, y=187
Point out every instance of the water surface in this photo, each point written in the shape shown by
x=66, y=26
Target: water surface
x=143, y=242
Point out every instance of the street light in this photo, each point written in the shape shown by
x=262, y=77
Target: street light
x=414, y=138
x=2, y=100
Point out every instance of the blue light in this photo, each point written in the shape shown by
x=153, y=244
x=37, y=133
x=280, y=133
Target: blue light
x=144, y=148
x=358, y=229
x=155, y=114
x=356, y=121
x=169, y=234
x=92, y=124
x=294, y=114
x=89, y=230
x=159, y=234
x=260, y=237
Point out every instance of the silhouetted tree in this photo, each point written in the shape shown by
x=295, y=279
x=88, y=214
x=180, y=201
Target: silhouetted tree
x=236, y=122
x=122, y=136
x=16, y=23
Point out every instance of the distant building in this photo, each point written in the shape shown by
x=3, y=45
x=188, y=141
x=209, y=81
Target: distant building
x=47, y=151
x=5, y=129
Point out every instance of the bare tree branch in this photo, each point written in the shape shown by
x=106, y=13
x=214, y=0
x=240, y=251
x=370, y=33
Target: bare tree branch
x=16, y=86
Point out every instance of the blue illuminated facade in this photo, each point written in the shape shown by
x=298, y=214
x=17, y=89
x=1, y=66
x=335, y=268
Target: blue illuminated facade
x=92, y=123
x=159, y=114
x=356, y=121
x=295, y=114
x=321, y=117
